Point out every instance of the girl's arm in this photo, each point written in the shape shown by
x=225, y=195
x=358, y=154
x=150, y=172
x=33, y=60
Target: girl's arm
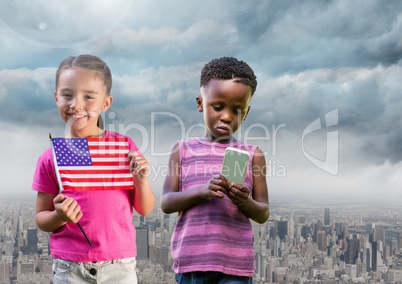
x=142, y=195
x=174, y=200
x=256, y=208
x=55, y=210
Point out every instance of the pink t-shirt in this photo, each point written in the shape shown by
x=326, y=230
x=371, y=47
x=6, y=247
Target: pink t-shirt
x=107, y=218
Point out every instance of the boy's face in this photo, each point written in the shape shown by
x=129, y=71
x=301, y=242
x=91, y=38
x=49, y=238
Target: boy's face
x=80, y=97
x=225, y=105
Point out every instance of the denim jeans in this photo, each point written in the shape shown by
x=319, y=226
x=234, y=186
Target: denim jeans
x=208, y=277
x=119, y=271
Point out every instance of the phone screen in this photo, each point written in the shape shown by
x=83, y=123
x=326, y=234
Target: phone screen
x=234, y=167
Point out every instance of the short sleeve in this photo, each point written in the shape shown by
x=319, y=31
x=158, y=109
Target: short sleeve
x=45, y=179
x=132, y=146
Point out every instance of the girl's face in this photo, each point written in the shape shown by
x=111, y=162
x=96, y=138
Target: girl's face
x=80, y=97
x=225, y=105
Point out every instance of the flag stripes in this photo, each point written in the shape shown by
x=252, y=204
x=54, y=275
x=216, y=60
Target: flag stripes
x=93, y=163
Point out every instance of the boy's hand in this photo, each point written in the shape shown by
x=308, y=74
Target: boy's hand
x=67, y=208
x=238, y=194
x=139, y=166
x=216, y=187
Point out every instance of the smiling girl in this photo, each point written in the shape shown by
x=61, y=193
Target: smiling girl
x=83, y=86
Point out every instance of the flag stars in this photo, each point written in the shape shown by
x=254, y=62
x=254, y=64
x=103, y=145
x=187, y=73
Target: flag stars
x=72, y=152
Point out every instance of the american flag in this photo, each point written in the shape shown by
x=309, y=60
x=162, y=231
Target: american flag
x=93, y=163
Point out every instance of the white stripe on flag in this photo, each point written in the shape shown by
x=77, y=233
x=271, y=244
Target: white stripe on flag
x=84, y=176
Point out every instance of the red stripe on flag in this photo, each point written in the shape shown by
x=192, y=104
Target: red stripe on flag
x=88, y=172
x=68, y=187
x=94, y=179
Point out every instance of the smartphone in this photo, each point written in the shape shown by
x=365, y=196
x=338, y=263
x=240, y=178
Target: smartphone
x=235, y=165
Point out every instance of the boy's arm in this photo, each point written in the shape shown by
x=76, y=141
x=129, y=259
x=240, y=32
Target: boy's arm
x=174, y=200
x=55, y=210
x=257, y=208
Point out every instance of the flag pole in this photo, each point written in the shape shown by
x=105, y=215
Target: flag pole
x=61, y=185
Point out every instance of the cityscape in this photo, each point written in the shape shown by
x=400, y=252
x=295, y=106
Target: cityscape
x=302, y=242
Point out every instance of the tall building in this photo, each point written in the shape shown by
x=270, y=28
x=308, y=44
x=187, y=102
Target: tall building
x=291, y=226
x=276, y=247
x=282, y=229
x=321, y=240
x=273, y=230
x=368, y=259
x=338, y=228
x=379, y=234
x=32, y=238
x=306, y=231
x=5, y=271
x=342, y=230
x=142, y=243
x=316, y=227
x=270, y=270
x=327, y=217
x=352, y=251
x=369, y=228
x=331, y=247
x=261, y=262
x=374, y=256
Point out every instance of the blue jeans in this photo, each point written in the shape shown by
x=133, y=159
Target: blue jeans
x=120, y=271
x=208, y=277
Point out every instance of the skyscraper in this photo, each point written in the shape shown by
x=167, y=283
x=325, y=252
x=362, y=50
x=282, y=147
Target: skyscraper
x=32, y=238
x=327, y=217
x=317, y=226
x=368, y=259
x=379, y=234
x=374, y=256
x=321, y=240
x=369, y=228
x=4, y=271
x=352, y=251
x=282, y=229
x=276, y=246
x=306, y=231
x=142, y=243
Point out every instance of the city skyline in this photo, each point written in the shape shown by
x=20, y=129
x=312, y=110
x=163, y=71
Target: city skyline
x=361, y=244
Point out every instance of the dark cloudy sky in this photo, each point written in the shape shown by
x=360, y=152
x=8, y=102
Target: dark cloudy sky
x=327, y=110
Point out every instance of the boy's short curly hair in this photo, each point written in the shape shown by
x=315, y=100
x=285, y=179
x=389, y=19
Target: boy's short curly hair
x=226, y=68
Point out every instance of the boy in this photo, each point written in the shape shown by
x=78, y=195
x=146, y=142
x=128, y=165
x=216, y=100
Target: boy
x=213, y=241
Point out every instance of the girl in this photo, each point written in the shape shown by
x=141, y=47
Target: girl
x=83, y=85
x=212, y=241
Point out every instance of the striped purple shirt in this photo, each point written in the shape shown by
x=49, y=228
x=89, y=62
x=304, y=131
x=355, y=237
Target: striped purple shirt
x=213, y=235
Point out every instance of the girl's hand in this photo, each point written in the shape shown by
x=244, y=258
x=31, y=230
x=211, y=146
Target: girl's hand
x=67, y=208
x=238, y=194
x=216, y=187
x=139, y=166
